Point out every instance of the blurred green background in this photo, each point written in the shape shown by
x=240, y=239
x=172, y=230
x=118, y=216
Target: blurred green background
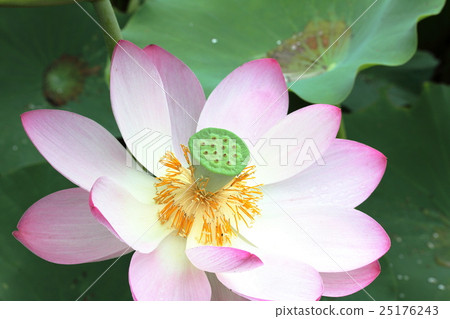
x=390, y=78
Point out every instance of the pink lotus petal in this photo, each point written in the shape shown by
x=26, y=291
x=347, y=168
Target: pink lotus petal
x=279, y=279
x=240, y=257
x=155, y=97
x=350, y=173
x=340, y=284
x=184, y=95
x=331, y=239
x=221, y=293
x=136, y=223
x=220, y=259
x=139, y=104
x=249, y=101
x=166, y=274
x=77, y=147
x=296, y=142
x=60, y=228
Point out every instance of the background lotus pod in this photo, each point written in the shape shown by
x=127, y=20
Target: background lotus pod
x=60, y=43
x=389, y=108
x=213, y=37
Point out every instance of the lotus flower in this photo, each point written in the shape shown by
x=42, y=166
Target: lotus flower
x=283, y=227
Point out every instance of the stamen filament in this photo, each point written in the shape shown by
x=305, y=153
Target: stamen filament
x=185, y=200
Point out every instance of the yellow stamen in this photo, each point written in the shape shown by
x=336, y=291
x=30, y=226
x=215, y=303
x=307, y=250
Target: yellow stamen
x=185, y=201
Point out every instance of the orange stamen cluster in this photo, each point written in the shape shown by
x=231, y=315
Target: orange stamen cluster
x=214, y=215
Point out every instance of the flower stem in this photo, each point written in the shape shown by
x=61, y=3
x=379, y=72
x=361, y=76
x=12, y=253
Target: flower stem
x=108, y=21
